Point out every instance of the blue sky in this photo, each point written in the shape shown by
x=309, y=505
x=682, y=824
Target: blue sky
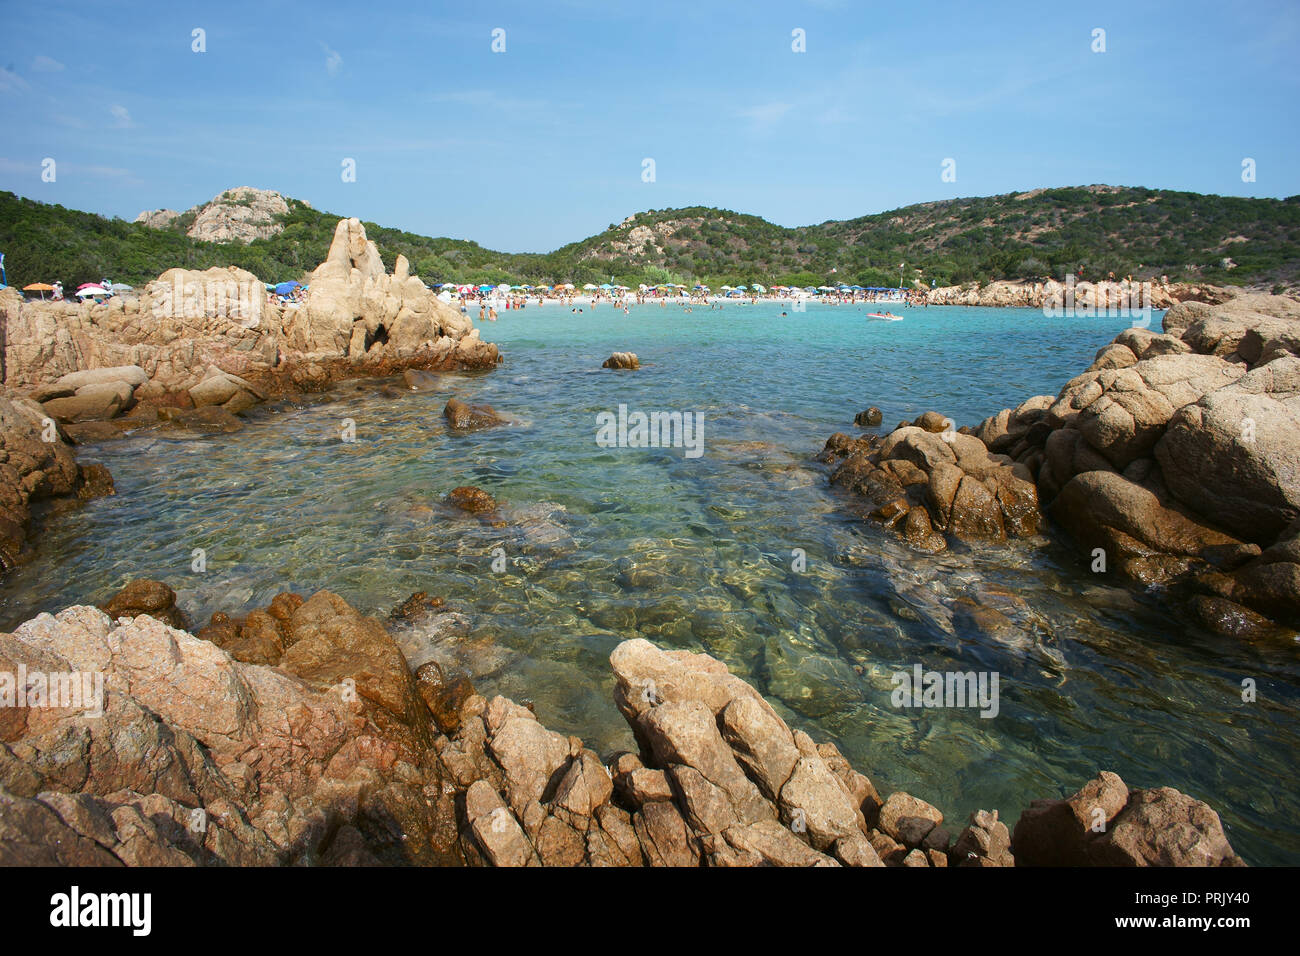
x=543, y=144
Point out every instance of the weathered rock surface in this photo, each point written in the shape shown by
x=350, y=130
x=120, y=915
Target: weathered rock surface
x=624, y=360
x=144, y=596
x=1004, y=293
x=36, y=463
x=472, y=499
x=1106, y=824
x=186, y=326
x=463, y=417
x=1176, y=454
x=241, y=214
x=299, y=735
x=926, y=481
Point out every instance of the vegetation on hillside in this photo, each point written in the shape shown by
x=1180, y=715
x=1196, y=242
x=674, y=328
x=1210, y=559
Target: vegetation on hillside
x=1142, y=232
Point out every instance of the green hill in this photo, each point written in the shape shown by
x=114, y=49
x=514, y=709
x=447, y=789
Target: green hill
x=1143, y=232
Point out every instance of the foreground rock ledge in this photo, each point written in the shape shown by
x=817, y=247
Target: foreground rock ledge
x=328, y=752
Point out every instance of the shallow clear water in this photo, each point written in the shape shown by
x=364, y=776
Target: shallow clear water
x=602, y=544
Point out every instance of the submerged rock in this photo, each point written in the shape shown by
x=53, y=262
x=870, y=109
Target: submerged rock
x=472, y=499
x=463, y=417
x=213, y=419
x=144, y=596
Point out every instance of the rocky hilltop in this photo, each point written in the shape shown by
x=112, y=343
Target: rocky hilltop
x=1172, y=460
x=241, y=214
x=300, y=735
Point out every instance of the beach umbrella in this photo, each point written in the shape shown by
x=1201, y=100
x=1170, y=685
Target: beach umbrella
x=40, y=287
x=91, y=285
x=121, y=287
x=759, y=288
x=92, y=290
x=589, y=286
x=742, y=288
x=285, y=288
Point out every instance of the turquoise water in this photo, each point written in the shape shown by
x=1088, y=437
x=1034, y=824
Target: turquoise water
x=601, y=544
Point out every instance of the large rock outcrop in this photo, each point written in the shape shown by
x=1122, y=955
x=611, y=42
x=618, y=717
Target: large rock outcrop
x=36, y=463
x=355, y=307
x=1177, y=455
x=241, y=214
x=298, y=734
x=928, y=482
x=189, y=326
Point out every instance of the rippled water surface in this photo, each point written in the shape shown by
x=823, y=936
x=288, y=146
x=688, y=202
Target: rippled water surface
x=602, y=544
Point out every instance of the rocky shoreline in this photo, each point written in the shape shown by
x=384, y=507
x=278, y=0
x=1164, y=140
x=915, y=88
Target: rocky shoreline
x=1173, y=460
x=36, y=464
x=299, y=735
x=196, y=351
x=1009, y=294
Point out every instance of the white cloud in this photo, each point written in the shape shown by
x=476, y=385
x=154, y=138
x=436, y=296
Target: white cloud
x=102, y=172
x=46, y=64
x=121, y=116
x=11, y=82
x=767, y=114
x=487, y=100
x=333, y=62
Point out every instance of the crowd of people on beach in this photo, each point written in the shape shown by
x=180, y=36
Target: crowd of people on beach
x=491, y=302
